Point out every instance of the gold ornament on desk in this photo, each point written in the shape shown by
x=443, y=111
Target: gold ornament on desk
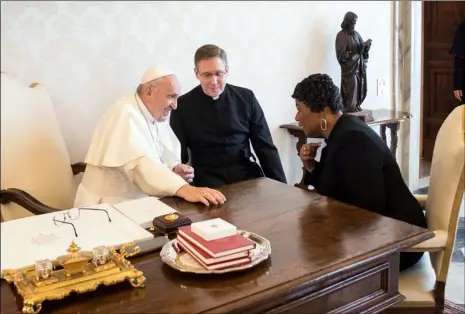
x=171, y=217
x=79, y=271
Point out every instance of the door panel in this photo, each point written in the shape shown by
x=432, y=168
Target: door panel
x=440, y=21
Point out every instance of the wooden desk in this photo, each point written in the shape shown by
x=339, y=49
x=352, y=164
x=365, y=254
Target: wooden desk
x=325, y=256
x=385, y=118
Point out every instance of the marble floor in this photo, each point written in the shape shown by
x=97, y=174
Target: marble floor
x=455, y=291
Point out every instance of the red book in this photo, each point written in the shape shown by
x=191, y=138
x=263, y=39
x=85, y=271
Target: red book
x=206, y=259
x=219, y=247
x=222, y=265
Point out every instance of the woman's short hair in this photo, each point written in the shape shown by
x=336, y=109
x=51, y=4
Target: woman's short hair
x=317, y=92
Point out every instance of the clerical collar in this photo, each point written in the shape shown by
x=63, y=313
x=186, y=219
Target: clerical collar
x=216, y=97
x=148, y=116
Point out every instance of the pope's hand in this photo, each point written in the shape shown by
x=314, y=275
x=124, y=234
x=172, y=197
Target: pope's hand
x=184, y=171
x=204, y=195
x=308, y=153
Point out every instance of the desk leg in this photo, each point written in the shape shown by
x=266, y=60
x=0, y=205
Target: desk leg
x=394, y=128
x=382, y=129
x=302, y=140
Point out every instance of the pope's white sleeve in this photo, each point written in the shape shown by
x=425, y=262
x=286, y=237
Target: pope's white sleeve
x=172, y=164
x=153, y=178
x=171, y=160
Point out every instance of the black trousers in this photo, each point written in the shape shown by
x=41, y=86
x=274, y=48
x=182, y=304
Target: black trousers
x=215, y=177
x=408, y=259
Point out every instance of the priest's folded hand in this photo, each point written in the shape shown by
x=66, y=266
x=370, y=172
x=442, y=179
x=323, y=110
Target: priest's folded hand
x=206, y=196
x=184, y=171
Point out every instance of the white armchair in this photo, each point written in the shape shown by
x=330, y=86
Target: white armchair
x=34, y=158
x=424, y=284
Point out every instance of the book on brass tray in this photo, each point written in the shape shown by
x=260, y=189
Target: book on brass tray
x=214, y=246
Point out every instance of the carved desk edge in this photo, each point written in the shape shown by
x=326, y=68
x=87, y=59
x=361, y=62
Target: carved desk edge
x=276, y=297
x=28, y=201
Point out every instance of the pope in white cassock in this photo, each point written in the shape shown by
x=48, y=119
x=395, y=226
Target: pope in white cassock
x=134, y=153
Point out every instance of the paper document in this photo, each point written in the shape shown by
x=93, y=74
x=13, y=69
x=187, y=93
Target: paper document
x=142, y=211
x=26, y=240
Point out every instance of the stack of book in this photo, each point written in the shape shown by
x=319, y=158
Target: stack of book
x=215, y=244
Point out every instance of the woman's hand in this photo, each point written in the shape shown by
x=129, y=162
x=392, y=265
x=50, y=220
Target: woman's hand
x=308, y=153
x=204, y=195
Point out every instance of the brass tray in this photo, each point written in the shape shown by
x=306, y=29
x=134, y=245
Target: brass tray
x=80, y=275
x=185, y=263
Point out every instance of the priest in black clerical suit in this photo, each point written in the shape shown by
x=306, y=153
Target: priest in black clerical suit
x=217, y=121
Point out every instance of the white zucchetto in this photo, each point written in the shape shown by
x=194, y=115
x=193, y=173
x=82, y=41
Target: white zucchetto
x=154, y=73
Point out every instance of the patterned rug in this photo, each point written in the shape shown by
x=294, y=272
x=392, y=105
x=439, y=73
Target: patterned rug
x=452, y=308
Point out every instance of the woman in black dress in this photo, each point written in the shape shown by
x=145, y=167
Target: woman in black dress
x=355, y=167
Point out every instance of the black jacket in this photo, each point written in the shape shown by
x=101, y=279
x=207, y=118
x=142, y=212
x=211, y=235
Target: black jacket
x=218, y=134
x=357, y=168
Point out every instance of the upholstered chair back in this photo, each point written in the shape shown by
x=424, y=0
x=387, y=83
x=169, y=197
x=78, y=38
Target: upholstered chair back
x=445, y=192
x=34, y=157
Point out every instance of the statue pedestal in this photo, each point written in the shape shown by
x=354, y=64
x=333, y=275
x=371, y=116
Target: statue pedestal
x=365, y=115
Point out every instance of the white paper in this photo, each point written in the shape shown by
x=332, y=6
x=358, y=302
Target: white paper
x=26, y=240
x=142, y=211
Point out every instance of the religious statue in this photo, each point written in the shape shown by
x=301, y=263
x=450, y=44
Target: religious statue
x=352, y=55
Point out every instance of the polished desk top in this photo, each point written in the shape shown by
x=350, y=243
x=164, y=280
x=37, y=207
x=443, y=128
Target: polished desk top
x=381, y=116
x=311, y=236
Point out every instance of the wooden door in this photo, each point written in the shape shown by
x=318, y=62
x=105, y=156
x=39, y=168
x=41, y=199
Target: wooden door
x=440, y=21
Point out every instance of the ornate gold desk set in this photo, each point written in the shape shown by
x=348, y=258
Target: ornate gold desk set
x=79, y=271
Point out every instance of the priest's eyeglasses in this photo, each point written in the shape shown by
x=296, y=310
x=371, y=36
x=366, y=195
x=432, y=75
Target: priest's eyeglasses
x=74, y=214
x=209, y=75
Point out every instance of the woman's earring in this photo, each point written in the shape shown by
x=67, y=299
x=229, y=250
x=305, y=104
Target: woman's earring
x=323, y=124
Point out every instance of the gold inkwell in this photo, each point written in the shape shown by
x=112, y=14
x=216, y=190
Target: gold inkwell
x=79, y=271
x=76, y=261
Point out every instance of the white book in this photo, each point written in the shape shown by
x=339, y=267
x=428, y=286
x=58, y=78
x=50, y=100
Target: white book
x=213, y=229
x=143, y=210
x=26, y=240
